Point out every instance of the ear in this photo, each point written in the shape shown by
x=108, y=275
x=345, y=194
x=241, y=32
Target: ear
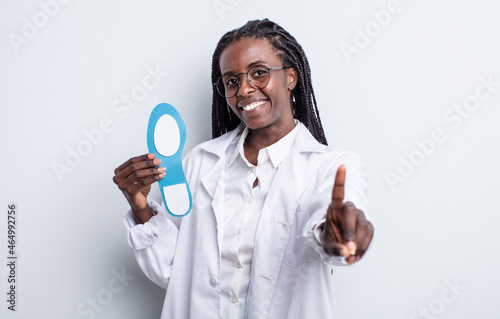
x=292, y=78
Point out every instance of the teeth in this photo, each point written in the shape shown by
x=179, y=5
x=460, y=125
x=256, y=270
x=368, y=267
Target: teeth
x=253, y=105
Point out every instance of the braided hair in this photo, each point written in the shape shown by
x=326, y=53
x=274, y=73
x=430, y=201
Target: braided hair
x=290, y=52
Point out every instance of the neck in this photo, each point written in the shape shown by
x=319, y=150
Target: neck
x=258, y=139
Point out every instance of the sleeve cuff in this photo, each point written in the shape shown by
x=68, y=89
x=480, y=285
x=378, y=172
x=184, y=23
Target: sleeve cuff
x=312, y=232
x=142, y=236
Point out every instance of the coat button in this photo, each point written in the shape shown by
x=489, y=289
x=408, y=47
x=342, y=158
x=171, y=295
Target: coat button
x=213, y=282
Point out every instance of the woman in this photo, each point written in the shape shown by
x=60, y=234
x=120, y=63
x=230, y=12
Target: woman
x=272, y=207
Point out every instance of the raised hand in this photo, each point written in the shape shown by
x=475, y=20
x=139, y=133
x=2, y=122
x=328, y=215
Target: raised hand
x=134, y=179
x=346, y=231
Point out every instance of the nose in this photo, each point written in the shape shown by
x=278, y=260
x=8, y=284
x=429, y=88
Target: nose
x=245, y=88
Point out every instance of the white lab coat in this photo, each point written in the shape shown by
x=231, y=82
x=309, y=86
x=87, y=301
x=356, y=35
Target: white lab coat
x=291, y=276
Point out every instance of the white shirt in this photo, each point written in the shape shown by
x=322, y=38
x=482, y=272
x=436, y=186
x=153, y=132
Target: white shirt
x=243, y=206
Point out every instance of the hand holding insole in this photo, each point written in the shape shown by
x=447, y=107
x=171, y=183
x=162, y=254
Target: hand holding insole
x=166, y=139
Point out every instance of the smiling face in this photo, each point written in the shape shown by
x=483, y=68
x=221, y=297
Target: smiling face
x=264, y=110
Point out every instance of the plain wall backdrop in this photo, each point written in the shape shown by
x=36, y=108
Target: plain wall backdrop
x=412, y=86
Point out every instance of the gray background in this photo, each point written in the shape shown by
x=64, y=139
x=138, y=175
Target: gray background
x=436, y=227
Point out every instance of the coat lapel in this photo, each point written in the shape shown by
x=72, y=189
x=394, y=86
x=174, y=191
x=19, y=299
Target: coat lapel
x=214, y=182
x=278, y=213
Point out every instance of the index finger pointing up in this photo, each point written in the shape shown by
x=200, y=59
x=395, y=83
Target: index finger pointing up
x=338, y=189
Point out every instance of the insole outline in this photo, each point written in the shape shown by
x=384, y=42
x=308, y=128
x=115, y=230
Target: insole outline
x=174, y=173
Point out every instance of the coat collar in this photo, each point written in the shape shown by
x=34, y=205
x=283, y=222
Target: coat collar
x=218, y=145
x=212, y=179
x=305, y=141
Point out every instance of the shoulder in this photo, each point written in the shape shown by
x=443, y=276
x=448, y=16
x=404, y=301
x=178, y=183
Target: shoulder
x=214, y=148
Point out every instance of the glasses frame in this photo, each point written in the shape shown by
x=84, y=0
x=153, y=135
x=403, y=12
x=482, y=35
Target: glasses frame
x=237, y=76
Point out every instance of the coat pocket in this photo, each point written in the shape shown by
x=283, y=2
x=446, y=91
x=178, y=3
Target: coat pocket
x=298, y=252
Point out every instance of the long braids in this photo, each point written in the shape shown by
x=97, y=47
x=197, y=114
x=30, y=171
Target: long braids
x=304, y=105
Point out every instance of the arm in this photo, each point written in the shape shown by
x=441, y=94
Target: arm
x=150, y=233
x=153, y=243
x=345, y=201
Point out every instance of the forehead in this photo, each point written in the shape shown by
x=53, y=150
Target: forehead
x=238, y=56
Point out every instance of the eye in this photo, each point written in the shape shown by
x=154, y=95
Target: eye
x=231, y=82
x=259, y=72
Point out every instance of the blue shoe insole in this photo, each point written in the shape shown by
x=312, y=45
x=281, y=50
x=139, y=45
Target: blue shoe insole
x=166, y=139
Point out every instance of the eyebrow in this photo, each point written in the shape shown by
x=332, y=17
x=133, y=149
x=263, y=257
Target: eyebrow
x=248, y=67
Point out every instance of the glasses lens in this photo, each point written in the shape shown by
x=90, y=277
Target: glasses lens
x=228, y=85
x=220, y=87
x=258, y=76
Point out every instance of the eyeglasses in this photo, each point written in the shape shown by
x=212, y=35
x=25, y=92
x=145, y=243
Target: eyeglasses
x=257, y=77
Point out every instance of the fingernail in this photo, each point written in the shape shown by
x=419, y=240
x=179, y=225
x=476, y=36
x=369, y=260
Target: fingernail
x=344, y=252
x=157, y=161
x=162, y=169
x=352, y=248
x=161, y=175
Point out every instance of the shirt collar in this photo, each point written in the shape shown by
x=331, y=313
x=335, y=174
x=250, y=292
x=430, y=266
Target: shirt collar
x=276, y=152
